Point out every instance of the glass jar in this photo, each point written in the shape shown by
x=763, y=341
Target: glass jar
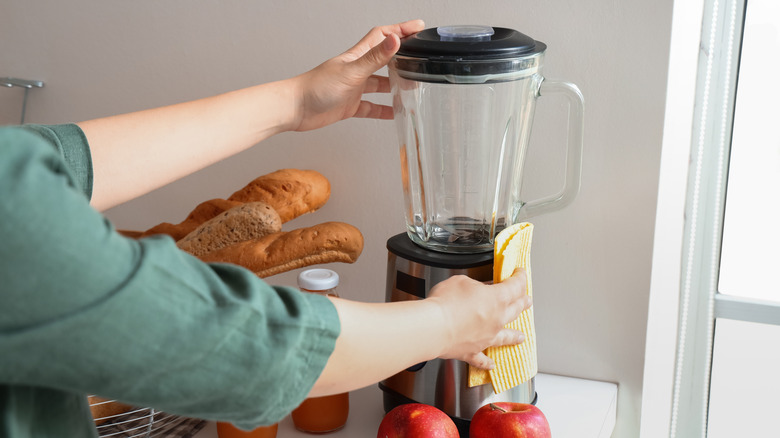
x=329, y=413
x=464, y=98
x=227, y=430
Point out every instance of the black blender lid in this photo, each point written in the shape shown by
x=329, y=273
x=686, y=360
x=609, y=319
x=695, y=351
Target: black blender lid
x=470, y=42
x=468, y=54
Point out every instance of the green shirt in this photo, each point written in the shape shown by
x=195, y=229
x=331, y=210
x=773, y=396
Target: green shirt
x=84, y=310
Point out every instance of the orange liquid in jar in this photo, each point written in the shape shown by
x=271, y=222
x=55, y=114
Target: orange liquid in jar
x=329, y=413
x=322, y=414
x=227, y=430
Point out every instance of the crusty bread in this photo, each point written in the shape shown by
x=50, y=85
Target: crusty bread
x=244, y=222
x=102, y=408
x=203, y=212
x=284, y=251
x=291, y=192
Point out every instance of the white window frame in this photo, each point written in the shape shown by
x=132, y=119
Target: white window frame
x=684, y=300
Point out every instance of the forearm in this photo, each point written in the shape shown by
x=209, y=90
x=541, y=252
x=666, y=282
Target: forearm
x=379, y=340
x=135, y=153
x=459, y=319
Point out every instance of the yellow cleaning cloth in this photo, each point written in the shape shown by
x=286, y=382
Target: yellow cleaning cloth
x=515, y=364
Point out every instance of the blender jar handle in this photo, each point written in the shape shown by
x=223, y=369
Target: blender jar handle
x=571, y=185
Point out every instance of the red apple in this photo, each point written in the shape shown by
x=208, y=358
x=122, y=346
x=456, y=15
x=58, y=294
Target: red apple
x=509, y=420
x=416, y=420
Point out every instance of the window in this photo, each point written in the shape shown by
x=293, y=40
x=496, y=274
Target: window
x=713, y=344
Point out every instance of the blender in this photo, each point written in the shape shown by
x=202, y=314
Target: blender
x=463, y=102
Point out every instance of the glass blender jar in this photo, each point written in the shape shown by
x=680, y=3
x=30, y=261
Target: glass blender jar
x=464, y=99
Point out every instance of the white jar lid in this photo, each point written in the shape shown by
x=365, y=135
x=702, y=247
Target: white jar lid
x=318, y=279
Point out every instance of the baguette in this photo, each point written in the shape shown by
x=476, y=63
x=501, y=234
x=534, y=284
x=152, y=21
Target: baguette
x=204, y=211
x=284, y=251
x=291, y=192
x=244, y=222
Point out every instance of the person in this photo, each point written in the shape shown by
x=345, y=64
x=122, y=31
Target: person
x=85, y=310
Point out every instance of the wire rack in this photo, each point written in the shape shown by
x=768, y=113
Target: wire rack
x=142, y=422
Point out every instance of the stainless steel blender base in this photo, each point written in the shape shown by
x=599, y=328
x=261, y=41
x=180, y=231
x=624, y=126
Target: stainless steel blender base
x=411, y=273
x=444, y=383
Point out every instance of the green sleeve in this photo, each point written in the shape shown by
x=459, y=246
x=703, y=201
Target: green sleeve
x=71, y=144
x=86, y=310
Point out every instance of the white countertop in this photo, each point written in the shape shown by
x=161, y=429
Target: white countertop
x=574, y=407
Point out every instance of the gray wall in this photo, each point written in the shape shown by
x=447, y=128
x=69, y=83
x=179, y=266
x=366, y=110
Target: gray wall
x=591, y=260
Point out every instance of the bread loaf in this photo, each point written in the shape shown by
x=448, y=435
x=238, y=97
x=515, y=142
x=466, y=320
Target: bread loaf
x=281, y=252
x=244, y=222
x=291, y=192
x=203, y=212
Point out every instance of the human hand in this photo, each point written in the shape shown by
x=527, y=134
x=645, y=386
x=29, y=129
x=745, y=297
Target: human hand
x=477, y=313
x=333, y=91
